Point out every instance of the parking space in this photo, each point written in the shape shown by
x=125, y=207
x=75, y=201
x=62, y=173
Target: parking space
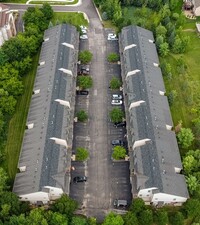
x=107, y=180
x=120, y=178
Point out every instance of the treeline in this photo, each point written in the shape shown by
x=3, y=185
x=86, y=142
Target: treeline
x=15, y=62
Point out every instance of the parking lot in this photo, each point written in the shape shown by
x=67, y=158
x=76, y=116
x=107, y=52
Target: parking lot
x=107, y=179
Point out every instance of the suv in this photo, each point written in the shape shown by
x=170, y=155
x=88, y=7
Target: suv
x=120, y=203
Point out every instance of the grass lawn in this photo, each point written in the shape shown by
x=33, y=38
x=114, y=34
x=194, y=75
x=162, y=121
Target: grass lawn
x=54, y=3
x=18, y=122
x=187, y=85
x=73, y=18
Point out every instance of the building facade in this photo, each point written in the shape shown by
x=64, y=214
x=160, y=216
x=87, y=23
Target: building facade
x=45, y=159
x=155, y=163
x=7, y=24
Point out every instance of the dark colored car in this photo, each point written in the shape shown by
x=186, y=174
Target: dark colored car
x=80, y=179
x=84, y=70
x=82, y=92
x=121, y=124
x=117, y=142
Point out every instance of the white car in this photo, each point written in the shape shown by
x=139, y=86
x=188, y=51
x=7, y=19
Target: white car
x=116, y=97
x=83, y=27
x=112, y=37
x=116, y=102
x=84, y=37
x=83, y=31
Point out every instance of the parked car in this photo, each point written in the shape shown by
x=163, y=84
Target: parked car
x=116, y=97
x=112, y=37
x=84, y=69
x=121, y=124
x=117, y=142
x=80, y=179
x=83, y=27
x=84, y=92
x=84, y=37
x=120, y=204
x=116, y=102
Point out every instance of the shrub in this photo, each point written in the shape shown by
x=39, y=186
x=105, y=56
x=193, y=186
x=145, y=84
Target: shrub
x=82, y=116
x=115, y=83
x=119, y=152
x=81, y=154
x=113, y=57
x=85, y=82
x=116, y=115
x=85, y=56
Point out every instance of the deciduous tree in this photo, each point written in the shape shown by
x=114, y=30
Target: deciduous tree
x=185, y=137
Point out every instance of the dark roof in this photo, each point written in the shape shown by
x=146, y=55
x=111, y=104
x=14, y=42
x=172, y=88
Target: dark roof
x=47, y=163
x=155, y=162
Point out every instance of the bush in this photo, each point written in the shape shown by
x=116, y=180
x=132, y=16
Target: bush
x=82, y=116
x=85, y=56
x=85, y=82
x=81, y=154
x=115, y=83
x=113, y=57
x=119, y=152
x=116, y=115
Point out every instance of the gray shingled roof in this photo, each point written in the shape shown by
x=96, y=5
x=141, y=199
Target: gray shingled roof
x=47, y=163
x=155, y=162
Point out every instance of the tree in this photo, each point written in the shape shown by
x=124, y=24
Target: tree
x=164, y=49
x=81, y=154
x=34, y=15
x=159, y=41
x=113, y=219
x=185, y=137
x=82, y=116
x=192, y=207
x=196, y=123
x=85, y=82
x=7, y=104
x=137, y=206
x=130, y=219
x=3, y=180
x=146, y=217
x=13, y=86
x=116, y=115
x=119, y=152
x=47, y=11
x=189, y=163
x=115, y=83
x=166, y=69
x=113, y=57
x=65, y=205
x=162, y=217
x=177, y=219
x=161, y=31
x=23, y=66
x=192, y=183
x=77, y=220
x=36, y=217
x=15, y=206
x=55, y=218
x=172, y=96
x=85, y=56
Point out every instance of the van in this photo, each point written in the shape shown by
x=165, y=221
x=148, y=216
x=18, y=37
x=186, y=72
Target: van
x=120, y=203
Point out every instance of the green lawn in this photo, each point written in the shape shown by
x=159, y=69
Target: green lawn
x=75, y=19
x=54, y=3
x=18, y=122
x=187, y=85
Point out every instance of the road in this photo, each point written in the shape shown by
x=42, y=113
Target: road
x=87, y=8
